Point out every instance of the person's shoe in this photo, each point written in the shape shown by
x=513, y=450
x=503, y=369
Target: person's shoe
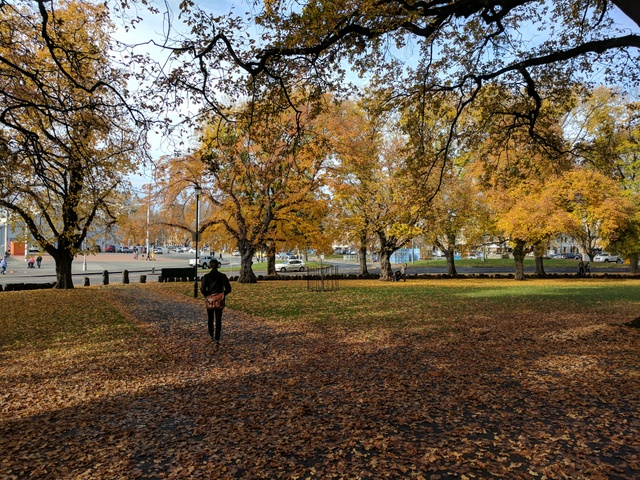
x=211, y=336
x=217, y=343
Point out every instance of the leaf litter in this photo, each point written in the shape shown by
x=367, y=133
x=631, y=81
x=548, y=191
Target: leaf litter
x=508, y=395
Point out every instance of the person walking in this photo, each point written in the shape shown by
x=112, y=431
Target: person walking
x=581, y=268
x=587, y=265
x=215, y=287
x=403, y=272
x=39, y=260
x=3, y=266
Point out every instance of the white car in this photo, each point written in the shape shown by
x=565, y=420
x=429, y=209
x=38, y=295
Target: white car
x=607, y=257
x=204, y=261
x=291, y=265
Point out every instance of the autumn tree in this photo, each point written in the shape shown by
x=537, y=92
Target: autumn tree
x=513, y=170
x=457, y=215
x=596, y=207
x=627, y=240
x=65, y=130
x=304, y=229
x=354, y=173
x=608, y=140
x=371, y=179
x=263, y=168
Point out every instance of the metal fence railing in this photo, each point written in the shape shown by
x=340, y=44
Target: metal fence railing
x=322, y=279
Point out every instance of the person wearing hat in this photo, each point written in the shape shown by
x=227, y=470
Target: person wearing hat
x=215, y=287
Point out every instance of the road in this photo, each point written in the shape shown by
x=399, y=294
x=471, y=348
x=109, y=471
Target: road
x=116, y=263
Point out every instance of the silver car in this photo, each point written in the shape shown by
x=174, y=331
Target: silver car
x=291, y=265
x=607, y=257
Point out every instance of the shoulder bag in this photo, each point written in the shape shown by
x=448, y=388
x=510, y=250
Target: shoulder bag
x=215, y=301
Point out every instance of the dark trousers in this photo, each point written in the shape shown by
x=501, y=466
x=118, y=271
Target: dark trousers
x=218, y=317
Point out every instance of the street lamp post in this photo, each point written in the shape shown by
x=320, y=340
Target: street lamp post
x=197, y=191
x=6, y=232
x=84, y=249
x=148, y=215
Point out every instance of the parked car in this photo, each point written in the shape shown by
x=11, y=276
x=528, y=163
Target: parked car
x=290, y=265
x=571, y=255
x=607, y=257
x=111, y=249
x=126, y=250
x=204, y=261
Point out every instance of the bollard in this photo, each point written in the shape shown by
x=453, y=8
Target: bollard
x=105, y=277
x=86, y=282
x=125, y=277
x=143, y=279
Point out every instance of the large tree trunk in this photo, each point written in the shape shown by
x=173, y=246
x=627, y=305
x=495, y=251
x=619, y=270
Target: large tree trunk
x=633, y=260
x=448, y=246
x=451, y=264
x=386, y=274
x=363, y=259
x=64, y=277
x=271, y=259
x=539, y=252
x=540, y=267
x=518, y=257
x=246, y=271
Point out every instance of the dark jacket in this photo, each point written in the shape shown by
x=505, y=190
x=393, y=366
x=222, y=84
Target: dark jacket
x=215, y=282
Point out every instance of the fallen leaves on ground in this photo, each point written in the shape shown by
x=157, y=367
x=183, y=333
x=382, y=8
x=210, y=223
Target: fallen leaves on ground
x=511, y=394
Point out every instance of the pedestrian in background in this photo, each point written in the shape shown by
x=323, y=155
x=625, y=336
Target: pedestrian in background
x=581, y=268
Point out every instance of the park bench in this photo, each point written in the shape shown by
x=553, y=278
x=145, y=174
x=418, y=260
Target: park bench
x=177, y=274
x=13, y=287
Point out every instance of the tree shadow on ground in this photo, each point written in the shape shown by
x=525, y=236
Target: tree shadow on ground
x=505, y=397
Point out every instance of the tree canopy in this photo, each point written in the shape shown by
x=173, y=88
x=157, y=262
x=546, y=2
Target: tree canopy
x=459, y=45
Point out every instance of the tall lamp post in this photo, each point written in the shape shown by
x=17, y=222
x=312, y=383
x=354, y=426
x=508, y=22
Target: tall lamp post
x=197, y=190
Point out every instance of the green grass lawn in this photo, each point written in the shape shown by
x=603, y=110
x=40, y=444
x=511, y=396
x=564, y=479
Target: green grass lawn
x=419, y=304
x=80, y=316
x=508, y=263
x=569, y=265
